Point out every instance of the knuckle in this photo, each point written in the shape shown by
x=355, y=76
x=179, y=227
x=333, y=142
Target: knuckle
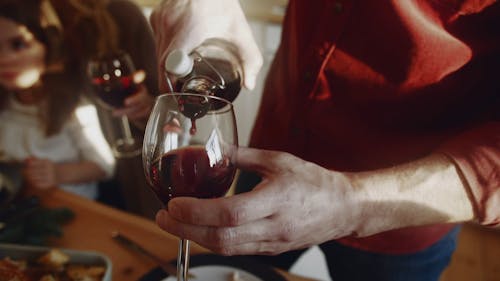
x=221, y=247
x=221, y=237
x=288, y=231
x=233, y=216
x=284, y=156
x=281, y=158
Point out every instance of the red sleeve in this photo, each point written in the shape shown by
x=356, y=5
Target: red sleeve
x=474, y=6
x=477, y=155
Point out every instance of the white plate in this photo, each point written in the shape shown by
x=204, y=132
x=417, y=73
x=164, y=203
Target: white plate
x=210, y=267
x=217, y=273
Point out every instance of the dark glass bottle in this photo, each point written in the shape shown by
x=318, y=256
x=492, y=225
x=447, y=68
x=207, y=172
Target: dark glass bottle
x=213, y=68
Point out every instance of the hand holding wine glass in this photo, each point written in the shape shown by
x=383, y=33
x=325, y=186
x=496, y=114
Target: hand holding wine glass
x=189, y=148
x=113, y=77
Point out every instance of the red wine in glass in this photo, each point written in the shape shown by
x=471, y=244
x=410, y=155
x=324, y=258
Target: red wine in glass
x=113, y=92
x=190, y=171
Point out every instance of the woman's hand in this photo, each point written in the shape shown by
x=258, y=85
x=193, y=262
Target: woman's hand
x=185, y=24
x=40, y=173
x=139, y=105
x=297, y=204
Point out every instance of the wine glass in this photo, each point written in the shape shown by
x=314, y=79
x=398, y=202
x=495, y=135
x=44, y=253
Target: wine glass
x=111, y=76
x=188, y=150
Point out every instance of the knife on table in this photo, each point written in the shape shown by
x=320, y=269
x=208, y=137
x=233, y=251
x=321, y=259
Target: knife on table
x=128, y=243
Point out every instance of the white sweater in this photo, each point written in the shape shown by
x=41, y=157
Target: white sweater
x=21, y=136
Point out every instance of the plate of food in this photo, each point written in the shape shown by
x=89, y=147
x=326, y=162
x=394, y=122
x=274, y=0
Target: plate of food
x=210, y=267
x=22, y=262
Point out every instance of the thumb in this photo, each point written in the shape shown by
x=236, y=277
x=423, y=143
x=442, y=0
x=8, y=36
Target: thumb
x=256, y=160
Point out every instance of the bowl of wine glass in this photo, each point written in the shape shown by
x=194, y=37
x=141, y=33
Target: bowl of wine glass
x=112, y=78
x=189, y=147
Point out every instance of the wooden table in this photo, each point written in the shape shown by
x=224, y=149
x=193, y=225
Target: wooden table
x=477, y=255
x=92, y=227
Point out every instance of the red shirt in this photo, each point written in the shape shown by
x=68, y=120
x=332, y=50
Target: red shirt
x=362, y=85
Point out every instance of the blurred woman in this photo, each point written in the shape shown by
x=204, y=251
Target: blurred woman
x=42, y=78
x=101, y=27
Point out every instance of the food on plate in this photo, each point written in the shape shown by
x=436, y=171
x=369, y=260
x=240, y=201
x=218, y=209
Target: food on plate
x=53, y=259
x=54, y=265
x=12, y=270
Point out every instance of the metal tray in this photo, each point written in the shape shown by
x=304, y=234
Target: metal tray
x=81, y=257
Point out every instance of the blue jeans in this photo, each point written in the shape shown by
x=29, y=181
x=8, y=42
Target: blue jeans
x=345, y=263
x=349, y=264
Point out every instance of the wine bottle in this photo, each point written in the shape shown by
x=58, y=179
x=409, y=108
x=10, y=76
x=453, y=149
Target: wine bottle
x=213, y=68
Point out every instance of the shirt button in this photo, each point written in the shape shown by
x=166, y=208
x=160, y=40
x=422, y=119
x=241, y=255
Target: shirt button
x=339, y=7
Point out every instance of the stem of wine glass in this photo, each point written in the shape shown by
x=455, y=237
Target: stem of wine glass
x=127, y=133
x=183, y=260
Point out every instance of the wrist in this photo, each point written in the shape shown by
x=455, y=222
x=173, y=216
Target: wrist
x=368, y=210
x=423, y=192
x=349, y=207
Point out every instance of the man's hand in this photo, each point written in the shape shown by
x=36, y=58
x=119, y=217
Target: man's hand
x=185, y=24
x=298, y=204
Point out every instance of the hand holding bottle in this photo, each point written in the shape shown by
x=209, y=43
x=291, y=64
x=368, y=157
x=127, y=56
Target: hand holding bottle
x=213, y=68
x=185, y=24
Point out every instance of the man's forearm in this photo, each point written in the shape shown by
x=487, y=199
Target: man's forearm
x=426, y=191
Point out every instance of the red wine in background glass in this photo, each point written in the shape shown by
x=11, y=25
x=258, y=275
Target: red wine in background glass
x=189, y=171
x=114, y=90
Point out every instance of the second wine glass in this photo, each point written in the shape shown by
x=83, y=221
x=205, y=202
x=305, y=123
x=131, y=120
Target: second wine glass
x=189, y=148
x=111, y=76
